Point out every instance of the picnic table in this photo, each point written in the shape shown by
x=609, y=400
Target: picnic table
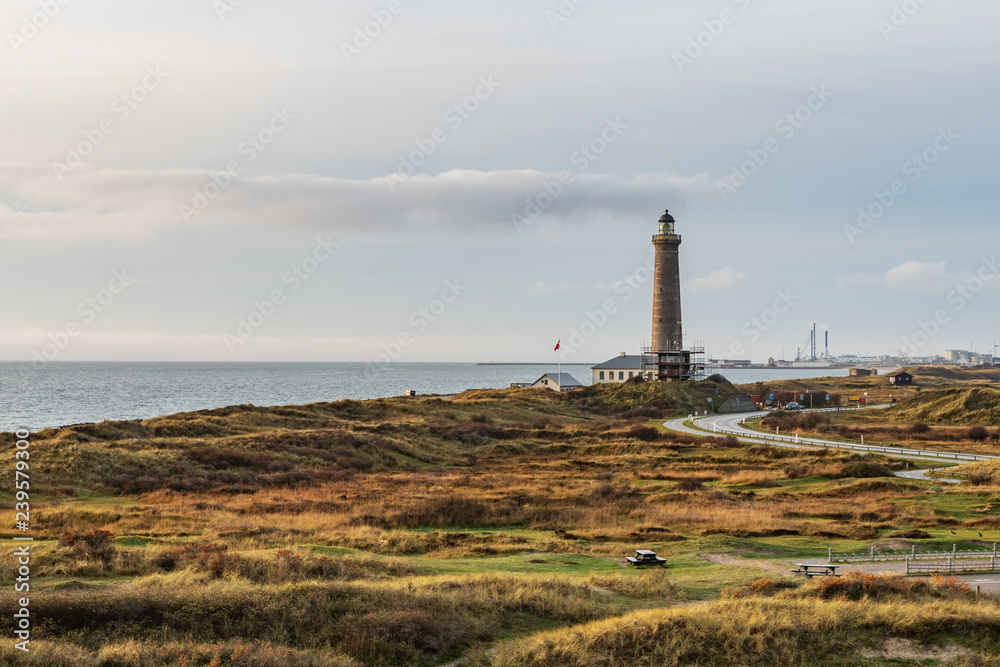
x=811, y=570
x=644, y=557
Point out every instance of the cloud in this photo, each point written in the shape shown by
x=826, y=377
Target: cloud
x=915, y=276
x=719, y=281
x=100, y=203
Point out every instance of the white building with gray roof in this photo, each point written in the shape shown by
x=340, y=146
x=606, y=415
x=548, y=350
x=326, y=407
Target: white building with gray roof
x=620, y=369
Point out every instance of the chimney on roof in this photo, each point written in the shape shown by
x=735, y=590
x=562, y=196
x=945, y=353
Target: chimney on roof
x=623, y=354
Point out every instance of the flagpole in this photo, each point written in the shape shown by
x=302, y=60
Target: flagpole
x=559, y=357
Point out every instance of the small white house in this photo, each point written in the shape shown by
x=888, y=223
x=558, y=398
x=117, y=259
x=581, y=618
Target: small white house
x=557, y=382
x=622, y=368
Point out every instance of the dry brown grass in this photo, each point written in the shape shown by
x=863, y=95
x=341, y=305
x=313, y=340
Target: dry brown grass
x=754, y=631
x=760, y=478
x=407, y=484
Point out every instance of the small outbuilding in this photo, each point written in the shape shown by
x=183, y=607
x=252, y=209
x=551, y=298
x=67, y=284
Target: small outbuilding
x=557, y=382
x=900, y=379
x=737, y=403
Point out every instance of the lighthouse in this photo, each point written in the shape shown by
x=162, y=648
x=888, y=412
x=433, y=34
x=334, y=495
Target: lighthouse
x=666, y=357
x=668, y=333
x=666, y=351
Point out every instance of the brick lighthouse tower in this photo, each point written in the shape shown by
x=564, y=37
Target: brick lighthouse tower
x=666, y=353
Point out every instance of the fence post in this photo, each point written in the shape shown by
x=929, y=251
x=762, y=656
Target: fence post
x=954, y=548
x=907, y=564
x=831, y=554
x=993, y=563
x=913, y=548
x=949, y=564
x=873, y=554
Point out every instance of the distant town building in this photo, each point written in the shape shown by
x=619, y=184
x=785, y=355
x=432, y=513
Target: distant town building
x=622, y=368
x=557, y=382
x=863, y=372
x=900, y=379
x=730, y=363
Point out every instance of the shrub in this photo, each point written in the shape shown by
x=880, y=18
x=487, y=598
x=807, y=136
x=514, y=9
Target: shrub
x=864, y=470
x=454, y=510
x=95, y=544
x=795, y=471
x=611, y=491
x=980, y=478
x=977, y=434
x=644, y=433
x=858, y=585
x=689, y=484
x=727, y=442
x=644, y=413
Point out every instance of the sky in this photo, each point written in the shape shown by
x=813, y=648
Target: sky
x=434, y=180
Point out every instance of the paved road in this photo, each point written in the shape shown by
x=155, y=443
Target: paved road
x=732, y=425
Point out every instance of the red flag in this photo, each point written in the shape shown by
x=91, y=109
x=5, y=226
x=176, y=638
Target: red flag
x=558, y=343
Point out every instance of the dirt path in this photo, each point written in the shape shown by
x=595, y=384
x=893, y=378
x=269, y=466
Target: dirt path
x=778, y=567
x=898, y=648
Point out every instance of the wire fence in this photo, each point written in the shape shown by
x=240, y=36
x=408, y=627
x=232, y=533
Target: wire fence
x=873, y=556
x=951, y=565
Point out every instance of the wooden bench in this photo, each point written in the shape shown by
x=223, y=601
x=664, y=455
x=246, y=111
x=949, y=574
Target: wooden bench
x=645, y=558
x=811, y=570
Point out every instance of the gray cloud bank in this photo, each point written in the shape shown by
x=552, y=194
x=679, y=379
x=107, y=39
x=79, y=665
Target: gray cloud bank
x=35, y=203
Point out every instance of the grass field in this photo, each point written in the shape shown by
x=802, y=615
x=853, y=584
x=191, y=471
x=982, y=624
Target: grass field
x=491, y=525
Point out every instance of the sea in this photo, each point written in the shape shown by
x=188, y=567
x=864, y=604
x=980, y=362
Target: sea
x=34, y=396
